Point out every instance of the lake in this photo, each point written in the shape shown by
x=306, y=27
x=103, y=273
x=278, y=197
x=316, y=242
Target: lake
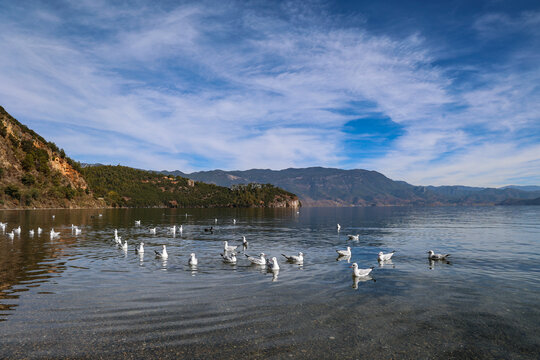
x=82, y=296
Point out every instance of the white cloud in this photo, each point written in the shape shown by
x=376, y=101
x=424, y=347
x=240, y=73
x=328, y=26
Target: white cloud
x=240, y=89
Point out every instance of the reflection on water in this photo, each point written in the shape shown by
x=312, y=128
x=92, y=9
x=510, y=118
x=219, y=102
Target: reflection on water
x=79, y=294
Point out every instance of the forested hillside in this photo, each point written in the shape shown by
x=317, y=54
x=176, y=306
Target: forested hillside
x=36, y=173
x=125, y=186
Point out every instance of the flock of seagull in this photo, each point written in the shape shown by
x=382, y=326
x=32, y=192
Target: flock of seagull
x=229, y=254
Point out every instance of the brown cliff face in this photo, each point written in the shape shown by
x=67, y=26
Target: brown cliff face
x=35, y=173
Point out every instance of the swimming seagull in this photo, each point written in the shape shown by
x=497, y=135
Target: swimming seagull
x=354, y=237
x=215, y=220
x=272, y=265
x=295, y=259
x=338, y=227
x=384, y=257
x=173, y=229
x=39, y=230
x=140, y=248
x=180, y=228
x=31, y=232
x=125, y=246
x=433, y=256
x=163, y=254
x=153, y=231
x=244, y=243
x=54, y=233
x=17, y=230
x=115, y=234
x=77, y=231
x=234, y=221
x=3, y=226
x=360, y=272
x=229, y=257
x=11, y=235
x=137, y=222
x=257, y=260
x=228, y=248
x=344, y=252
x=192, y=260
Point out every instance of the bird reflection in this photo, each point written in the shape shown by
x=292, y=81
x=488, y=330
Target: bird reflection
x=163, y=263
x=387, y=263
x=275, y=274
x=357, y=279
x=433, y=263
x=342, y=257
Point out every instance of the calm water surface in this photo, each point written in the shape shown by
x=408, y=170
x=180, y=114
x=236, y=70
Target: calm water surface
x=81, y=296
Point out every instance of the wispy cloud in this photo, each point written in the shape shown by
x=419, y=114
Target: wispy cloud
x=235, y=86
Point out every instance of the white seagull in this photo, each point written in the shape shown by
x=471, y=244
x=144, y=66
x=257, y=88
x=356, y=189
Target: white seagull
x=344, y=252
x=77, y=231
x=272, y=265
x=180, y=228
x=229, y=257
x=257, y=260
x=229, y=248
x=125, y=246
x=17, y=230
x=383, y=257
x=137, y=222
x=433, y=256
x=39, y=230
x=338, y=227
x=234, y=221
x=360, y=272
x=31, y=232
x=3, y=226
x=54, y=233
x=295, y=259
x=153, y=231
x=244, y=243
x=140, y=248
x=193, y=260
x=11, y=235
x=354, y=237
x=163, y=254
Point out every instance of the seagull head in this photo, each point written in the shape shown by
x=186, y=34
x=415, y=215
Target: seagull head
x=381, y=253
x=354, y=266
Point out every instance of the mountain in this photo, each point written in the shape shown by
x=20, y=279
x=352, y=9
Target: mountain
x=125, y=186
x=318, y=186
x=523, y=187
x=36, y=173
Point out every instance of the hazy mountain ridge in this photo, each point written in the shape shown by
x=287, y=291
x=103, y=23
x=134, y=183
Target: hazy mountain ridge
x=318, y=186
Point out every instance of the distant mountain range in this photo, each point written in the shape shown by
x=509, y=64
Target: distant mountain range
x=318, y=186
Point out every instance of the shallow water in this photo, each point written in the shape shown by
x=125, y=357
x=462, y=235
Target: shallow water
x=81, y=296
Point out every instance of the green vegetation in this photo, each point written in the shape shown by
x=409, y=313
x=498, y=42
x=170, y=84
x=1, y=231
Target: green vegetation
x=124, y=186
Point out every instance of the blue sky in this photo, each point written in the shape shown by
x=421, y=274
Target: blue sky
x=436, y=92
